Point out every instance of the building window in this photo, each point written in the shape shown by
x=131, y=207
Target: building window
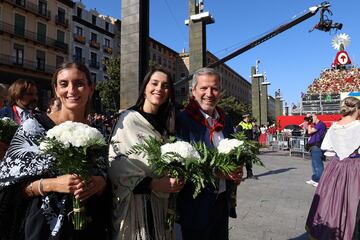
x=60, y=36
x=40, y=60
x=43, y=7
x=79, y=31
x=41, y=32
x=93, y=57
x=79, y=12
x=19, y=25
x=107, y=42
x=107, y=26
x=78, y=54
x=182, y=91
x=93, y=77
x=59, y=60
x=154, y=58
x=93, y=19
x=93, y=60
x=159, y=60
x=105, y=61
x=61, y=15
x=93, y=37
x=18, y=54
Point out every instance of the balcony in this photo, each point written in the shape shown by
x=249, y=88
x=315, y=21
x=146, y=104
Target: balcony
x=26, y=64
x=20, y=32
x=61, y=21
x=79, y=38
x=31, y=7
x=94, y=44
x=94, y=64
x=107, y=49
x=78, y=59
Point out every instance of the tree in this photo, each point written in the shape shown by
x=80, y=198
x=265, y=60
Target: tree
x=234, y=109
x=109, y=90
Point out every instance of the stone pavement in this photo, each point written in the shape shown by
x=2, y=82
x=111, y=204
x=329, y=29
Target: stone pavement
x=275, y=206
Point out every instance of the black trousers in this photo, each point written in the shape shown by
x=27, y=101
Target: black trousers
x=248, y=166
x=218, y=227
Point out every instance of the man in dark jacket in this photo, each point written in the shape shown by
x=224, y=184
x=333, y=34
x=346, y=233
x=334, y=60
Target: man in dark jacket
x=207, y=216
x=22, y=99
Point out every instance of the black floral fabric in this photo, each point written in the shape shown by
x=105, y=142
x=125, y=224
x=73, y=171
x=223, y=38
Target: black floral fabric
x=24, y=162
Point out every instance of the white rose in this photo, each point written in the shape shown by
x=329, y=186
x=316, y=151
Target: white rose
x=226, y=145
x=184, y=149
x=74, y=133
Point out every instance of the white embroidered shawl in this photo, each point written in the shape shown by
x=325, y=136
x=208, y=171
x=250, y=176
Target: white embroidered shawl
x=342, y=139
x=129, y=210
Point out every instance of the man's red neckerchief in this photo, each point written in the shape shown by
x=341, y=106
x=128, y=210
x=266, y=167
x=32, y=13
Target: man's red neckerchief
x=193, y=109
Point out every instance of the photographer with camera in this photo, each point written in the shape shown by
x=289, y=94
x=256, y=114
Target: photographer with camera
x=316, y=130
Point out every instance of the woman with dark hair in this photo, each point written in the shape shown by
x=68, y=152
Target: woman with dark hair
x=35, y=201
x=332, y=214
x=54, y=105
x=139, y=197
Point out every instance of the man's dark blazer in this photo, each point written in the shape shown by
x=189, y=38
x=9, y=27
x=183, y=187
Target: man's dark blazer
x=194, y=213
x=7, y=112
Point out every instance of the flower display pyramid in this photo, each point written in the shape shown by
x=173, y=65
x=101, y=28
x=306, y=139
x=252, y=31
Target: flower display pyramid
x=342, y=77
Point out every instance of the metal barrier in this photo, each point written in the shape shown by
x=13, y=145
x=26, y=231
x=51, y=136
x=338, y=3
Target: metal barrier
x=279, y=142
x=297, y=144
x=284, y=141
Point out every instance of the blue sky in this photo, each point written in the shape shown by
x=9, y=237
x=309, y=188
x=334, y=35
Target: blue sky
x=291, y=60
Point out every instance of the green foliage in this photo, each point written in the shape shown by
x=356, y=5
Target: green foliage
x=109, y=90
x=75, y=160
x=7, y=130
x=190, y=169
x=234, y=109
x=79, y=161
x=247, y=152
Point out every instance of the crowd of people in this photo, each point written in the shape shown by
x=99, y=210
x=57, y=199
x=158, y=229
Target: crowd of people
x=123, y=197
x=336, y=81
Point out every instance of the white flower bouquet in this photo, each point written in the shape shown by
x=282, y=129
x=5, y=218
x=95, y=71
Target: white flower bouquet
x=179, y=160
x=76, y=147
x=232, y=153
x=7, y=129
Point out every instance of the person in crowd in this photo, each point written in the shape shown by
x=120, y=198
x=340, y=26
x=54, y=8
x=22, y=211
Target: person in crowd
x=246, y=127
x=316, y=130
x=35, y=200
x=263, y=135
x=305, y=125
x=54, y=105
x=207, y=216
x=3, y=94
x=23, y=97
x=140, y=198
x=332, y=214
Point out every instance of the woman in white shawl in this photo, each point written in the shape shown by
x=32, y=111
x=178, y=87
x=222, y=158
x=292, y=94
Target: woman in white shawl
x=140, y=199
x=333, y=210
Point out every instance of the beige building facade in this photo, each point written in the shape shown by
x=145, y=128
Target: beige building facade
x=92, y=40
x=34, y=36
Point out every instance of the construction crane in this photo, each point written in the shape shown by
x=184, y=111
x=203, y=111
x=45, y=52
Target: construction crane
x=325, y=24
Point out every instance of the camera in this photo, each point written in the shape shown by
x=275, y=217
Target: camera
x=308, y=119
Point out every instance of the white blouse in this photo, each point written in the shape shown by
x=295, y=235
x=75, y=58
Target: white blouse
x=342, y=139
